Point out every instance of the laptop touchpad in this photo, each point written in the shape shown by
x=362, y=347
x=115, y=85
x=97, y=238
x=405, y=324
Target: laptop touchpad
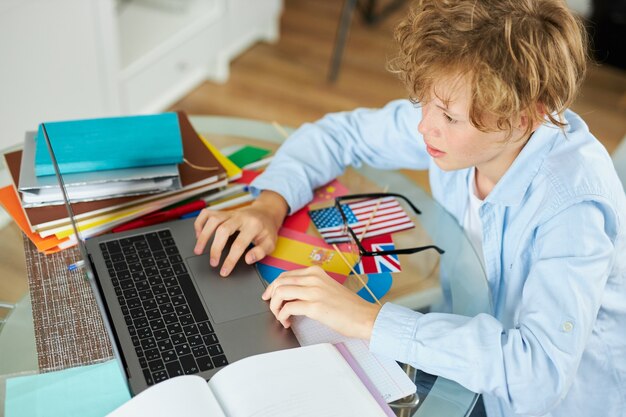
x=231, y=298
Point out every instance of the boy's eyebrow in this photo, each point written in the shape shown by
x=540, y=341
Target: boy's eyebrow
x=447, y=111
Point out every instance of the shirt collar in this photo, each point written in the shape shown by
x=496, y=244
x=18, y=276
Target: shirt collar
x=512, y=187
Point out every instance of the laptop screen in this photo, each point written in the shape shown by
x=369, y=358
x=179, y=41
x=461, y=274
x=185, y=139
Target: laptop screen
x=84, y=263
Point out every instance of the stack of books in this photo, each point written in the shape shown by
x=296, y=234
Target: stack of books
x=108, y=191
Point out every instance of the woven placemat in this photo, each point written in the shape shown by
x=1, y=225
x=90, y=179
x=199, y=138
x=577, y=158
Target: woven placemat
x=68, y=327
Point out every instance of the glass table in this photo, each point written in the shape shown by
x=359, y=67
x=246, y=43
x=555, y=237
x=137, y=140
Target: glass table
x=419, y=286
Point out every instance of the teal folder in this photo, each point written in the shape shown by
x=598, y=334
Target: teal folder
x=110, y=143
x=86, y=391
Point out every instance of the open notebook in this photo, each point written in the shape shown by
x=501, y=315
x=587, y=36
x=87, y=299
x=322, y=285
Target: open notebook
x=312, y=381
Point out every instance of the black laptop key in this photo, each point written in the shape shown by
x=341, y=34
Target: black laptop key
x=168, y=242
x=157, y=324
x=167, y=272
x=165, y=345
x=205, y=327
x=169, y=355
x=170, y=318
x=144, y=253
x=133, y=303
x=190, y=330
x=135, y=313
x=147, y=262
x=220, y=360
x=215, y=350
x=186, y=320
x=199, y=351
x=175, y=259
x=103, y=248
x=143, y=362
x=159, y=289
x=164, y=233
x=123, y=274
x=162, y=263
x=182, y=349
x=192, y=298
x=189, y=364
x=128, y=320
x=120, y=266
x=114, y=247
x=130, y=293
x=182, y=310
x=161, y=334
x=141, y=323
x=153, y=241
x=174, y=328
x=159, y=255
x=178, y=338
x=125, y=242
x=195, y=340
x=160, y=376
x=204, y=363
x=179, y=269
x=144, y=333
x=148, y=377
x=178, y=300
x=156, y=366
x=150, y=304
x=117, y=257
x=148, y=343
x=142, y=285
x=171, y=250
x=127, y=284
x=153, y=314
x=145, y=295
x=151, y=271
x=155, y=280
x=109, y=265
x=152, y=354
x=174, y=369
x=174, y=291
x=118, y=291
x=166, y=307
x=135, y=341
x=132, y=257
x=209, y=339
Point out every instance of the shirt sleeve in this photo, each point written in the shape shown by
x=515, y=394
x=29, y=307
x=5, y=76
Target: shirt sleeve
x=318, y=152
x=531, y=365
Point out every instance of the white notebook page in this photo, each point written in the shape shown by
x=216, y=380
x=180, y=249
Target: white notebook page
x=390, y=380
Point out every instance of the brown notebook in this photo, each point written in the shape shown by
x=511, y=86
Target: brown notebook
x=194, y=151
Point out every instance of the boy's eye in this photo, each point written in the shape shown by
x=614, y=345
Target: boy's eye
x=449, y=119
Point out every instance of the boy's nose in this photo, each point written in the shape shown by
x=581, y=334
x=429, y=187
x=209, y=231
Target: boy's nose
x=425, y=126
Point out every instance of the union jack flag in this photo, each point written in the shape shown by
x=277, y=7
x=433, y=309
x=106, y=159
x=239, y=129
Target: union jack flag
x=389, y=217
x=378, y=264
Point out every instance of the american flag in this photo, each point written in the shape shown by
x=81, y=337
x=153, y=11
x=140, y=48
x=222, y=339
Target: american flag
x=389, y=217
x=378, y=264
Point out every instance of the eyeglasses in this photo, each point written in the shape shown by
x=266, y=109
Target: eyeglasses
x=385, y=209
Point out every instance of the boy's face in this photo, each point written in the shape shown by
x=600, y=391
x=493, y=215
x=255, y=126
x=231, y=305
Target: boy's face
x=454, y=143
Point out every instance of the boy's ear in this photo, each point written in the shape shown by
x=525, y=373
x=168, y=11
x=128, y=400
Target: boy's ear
x=525, y=118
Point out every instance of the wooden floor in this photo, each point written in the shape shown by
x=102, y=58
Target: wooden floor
x=286, y=82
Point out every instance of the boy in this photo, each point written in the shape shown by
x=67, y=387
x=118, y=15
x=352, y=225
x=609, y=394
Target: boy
x=534, y=190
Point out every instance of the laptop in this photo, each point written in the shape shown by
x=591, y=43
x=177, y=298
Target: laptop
x=167, y=311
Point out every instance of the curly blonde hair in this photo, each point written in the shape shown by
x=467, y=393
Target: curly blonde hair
x=518, y=56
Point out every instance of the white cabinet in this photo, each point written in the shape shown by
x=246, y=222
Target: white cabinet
x=69, y=59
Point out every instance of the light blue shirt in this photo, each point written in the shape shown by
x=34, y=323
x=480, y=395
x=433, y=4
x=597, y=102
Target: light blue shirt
x=554, y=242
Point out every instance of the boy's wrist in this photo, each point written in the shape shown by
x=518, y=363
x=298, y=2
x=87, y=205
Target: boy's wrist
x=274, y=204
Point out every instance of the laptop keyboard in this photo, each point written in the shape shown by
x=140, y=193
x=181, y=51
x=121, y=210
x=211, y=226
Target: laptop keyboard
x=168, y=325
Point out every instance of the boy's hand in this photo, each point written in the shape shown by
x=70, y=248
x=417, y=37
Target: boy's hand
x=311, y=292
x=257, y=224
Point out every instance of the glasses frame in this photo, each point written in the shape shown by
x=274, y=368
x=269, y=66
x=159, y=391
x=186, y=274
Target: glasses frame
x=362, y=250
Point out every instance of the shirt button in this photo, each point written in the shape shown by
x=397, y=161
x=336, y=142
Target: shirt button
x=568, y=326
